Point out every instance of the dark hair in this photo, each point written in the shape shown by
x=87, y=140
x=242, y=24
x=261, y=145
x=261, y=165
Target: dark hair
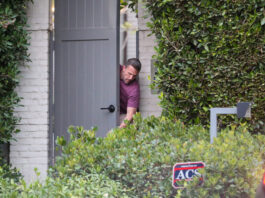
x=135, y=63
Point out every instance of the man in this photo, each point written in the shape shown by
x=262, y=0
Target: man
x=129, y=90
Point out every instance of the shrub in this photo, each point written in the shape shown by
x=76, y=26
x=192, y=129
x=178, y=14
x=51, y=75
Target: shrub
x=209, y=54
x=92, y=185
x=13, y=50
x=137, y=162
x=7, y=172
x=141, y=157
x=8, y=177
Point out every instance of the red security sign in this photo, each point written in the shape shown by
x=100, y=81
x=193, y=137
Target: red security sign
x=185, y=172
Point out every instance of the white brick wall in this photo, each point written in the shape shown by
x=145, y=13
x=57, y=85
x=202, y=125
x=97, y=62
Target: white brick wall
x=148, y=101
x=31, y=148
x=131, y=46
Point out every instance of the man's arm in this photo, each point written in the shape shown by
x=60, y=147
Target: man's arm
x=129, y=116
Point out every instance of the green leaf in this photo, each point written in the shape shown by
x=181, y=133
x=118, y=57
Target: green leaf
x=262, y=21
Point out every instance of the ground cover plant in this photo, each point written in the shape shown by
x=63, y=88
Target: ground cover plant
x=137, y=162
x=209, y=54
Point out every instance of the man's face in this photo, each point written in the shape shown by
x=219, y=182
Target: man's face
x=129, y=74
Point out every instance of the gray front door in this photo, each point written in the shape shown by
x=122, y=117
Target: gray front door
x=86, y=64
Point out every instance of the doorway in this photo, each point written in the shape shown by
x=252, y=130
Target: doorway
x=84, y=72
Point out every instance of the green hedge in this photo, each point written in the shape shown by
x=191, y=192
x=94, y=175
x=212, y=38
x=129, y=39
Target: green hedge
x=210, y=53
x=137, y=162
x=94, y=185
x=13, y=50
x=141, y=158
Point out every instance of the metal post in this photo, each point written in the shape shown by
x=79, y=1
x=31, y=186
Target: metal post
x=213, y=119
x=213, y=124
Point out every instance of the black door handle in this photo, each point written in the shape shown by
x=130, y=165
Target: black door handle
x=111, y=108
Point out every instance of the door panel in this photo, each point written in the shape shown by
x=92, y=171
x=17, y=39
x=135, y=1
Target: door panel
x=86, y=64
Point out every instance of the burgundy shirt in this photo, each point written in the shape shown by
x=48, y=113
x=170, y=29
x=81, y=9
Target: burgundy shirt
x=129, y=95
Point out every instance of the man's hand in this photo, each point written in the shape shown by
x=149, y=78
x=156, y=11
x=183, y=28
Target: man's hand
x=123, y=125
x=129, y=116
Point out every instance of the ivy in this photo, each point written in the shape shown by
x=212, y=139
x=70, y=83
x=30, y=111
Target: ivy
x=209, y=54
x=13, y=49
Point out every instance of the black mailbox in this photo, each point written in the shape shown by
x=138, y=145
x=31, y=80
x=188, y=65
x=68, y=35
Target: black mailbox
x=244, y=109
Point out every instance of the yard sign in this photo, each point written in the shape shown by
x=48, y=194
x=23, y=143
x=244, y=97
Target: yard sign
x=185, y=172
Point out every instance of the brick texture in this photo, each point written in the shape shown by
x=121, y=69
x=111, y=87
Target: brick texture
x=131, y=45
x=148, y=101
x=30, y=150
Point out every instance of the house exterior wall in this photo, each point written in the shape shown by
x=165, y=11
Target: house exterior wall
x=131, y=45
x=31, y=148
x=148, y=101
x=130, y=36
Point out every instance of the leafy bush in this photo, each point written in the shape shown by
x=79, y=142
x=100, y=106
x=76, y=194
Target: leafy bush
x=137, y=162
x=141, y=157
x=209, y=54
x=7, y=172
x=8, y=177
x=13, y=50
x=92, y=185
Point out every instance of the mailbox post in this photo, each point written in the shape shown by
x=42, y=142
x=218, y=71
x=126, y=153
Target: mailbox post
x=242, y=110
